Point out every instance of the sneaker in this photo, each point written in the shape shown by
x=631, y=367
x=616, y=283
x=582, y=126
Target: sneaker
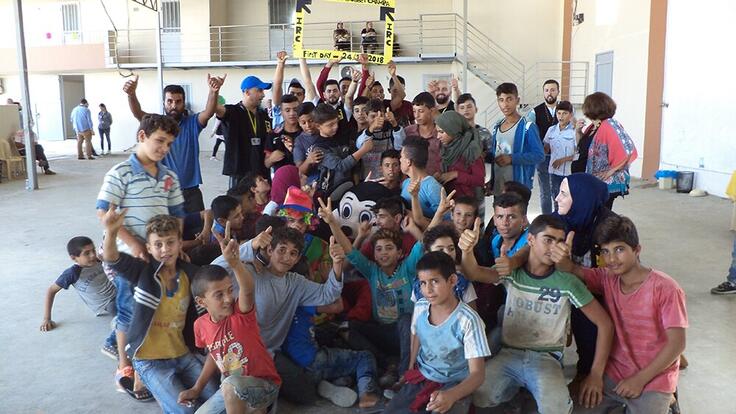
x=48, y=171
x=340, y=396
x=389, y=394
x=724, y=288
x=110, y=351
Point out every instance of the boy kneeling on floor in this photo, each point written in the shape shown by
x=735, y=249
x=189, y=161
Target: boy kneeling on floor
x=449, y=345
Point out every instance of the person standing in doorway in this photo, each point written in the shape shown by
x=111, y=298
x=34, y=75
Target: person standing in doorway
x=104, y=120
x=81, y=119
x=183, y=158
x=545, y=115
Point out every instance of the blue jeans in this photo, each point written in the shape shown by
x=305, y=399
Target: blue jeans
x=539, y=372
x=124, y=303
x=556, y=181
x=732, y=269
x=166, y=378
x=331, y=363
x=257, y=392
x=545, y=188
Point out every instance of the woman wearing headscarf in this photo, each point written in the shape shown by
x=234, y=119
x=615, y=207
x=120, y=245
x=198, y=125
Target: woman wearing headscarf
x=462, y=167
x=611, y=148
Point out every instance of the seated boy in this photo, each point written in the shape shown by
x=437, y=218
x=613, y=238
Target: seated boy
x=389, y=216
x=226, y=209
x=338, y=159
x=279, y=292
x=648, y=310
x=259, y=186
x=144, y=187
x=391, y=287
x=386, y=133
x=229, y=330
x=90, y=281
x=159, y=339
x=326, y=363
x=536, y=324
x=447, y=360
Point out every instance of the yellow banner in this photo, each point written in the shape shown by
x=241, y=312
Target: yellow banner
x=387, y=11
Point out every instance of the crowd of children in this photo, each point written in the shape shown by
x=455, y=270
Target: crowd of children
x=264, y=295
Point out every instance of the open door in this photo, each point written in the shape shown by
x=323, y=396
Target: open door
x=72, y=90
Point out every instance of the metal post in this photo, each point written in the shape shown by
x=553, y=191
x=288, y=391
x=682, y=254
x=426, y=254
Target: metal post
x=465, y=46
x=159, y=62
x=32, y=178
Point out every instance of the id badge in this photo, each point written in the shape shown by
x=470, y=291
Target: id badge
x=255, y=141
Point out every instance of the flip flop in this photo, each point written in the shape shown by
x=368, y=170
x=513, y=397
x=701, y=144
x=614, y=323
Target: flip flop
x=142, y=395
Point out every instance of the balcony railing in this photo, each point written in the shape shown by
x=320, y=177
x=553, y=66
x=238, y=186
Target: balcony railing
x=429, y=36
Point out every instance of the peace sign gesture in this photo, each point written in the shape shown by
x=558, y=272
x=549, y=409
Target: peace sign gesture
x=229, y=246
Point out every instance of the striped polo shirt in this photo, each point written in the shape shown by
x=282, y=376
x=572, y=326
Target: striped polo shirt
x=129, y=185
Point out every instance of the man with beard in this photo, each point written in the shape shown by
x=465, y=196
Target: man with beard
x=440, y=90
x=183, y=157
x=545, y=115
x=248, y=127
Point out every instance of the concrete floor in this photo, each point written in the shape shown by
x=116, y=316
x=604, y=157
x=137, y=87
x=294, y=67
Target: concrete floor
x=63, y=371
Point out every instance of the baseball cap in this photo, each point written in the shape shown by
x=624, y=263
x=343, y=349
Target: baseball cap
x=253, y=82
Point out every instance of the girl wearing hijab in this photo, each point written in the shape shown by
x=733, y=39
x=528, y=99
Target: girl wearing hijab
x=462, y=167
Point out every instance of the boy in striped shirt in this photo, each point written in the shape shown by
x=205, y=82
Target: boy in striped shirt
x=536, y=323
x=145, y=188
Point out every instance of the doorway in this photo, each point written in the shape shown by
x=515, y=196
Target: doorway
x=72, y=90
x=604, y=72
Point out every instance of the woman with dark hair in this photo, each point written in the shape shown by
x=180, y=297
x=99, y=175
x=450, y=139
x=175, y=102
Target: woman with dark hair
x=610, y=148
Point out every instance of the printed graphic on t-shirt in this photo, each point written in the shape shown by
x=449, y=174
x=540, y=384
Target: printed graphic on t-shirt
x=229, y=355
x=387, y=299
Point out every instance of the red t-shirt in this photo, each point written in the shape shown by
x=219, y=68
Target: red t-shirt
x=640, y=320
x=236, y=346
x=407, y=243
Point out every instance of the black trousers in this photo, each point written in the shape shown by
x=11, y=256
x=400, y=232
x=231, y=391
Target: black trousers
x=193, y=201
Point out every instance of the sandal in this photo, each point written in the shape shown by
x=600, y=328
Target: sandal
x=125, y=382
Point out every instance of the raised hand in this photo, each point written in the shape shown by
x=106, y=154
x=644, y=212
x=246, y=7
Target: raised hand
x=470, y=238
x=262, y=240
x=310, y=188
x=503, y=263
x=369, y=81
x=391, y=68
x=367, y=145
x=113, y=220
x=454, y=83
x=334, y=61
x=447, y=202
x=377, y=123
x=229, y=246
x=432, y=87
x=413, y=187
x=130, y=86
x=356, y=75
x=215, y=82
x=391, y=118
x=561, y=253
x=325, y=211
x=364, y=228
x=337, y=253
x=363, y=59
x=281, y=57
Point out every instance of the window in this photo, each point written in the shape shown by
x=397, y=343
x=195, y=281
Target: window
x=171, y=17
x=281, y=11
x=70, y=17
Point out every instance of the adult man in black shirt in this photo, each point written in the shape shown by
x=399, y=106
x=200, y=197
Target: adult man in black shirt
x=440, y=91
x=247, y=129
x=545, y=115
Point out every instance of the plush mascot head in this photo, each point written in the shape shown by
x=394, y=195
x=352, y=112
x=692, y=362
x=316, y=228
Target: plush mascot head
x=355, y=206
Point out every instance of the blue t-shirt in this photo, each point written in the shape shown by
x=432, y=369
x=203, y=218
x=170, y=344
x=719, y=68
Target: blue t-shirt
x=429, y=194
x=444, y=349
x=299, y=344
x=497, y=240
x=183, y=157
x=391, y=294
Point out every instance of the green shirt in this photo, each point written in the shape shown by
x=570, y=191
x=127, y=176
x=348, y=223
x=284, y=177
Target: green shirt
x=537, y=313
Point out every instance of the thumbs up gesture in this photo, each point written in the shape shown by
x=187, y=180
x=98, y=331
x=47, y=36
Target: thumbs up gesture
x=263, y=239
x=470, y=238
x=503, y=263
x=337, y=253
x=130, y=86
x=561, y=253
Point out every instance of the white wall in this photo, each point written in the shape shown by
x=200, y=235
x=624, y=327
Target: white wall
x=700, y=92
x=623, y=27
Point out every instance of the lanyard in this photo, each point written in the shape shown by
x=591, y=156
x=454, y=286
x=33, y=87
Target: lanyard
x=253, y=122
